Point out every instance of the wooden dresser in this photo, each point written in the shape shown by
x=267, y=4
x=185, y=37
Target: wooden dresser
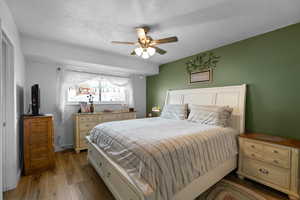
x=38, y=143
x=84, y=122
x=270, y=160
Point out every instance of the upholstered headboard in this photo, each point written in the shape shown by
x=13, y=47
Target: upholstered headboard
x=233, y=96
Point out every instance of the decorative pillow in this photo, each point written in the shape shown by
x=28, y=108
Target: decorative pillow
x=210, y=115
x=174, y=111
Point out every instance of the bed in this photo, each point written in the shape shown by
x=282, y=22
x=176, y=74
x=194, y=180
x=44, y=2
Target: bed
x=133, y=157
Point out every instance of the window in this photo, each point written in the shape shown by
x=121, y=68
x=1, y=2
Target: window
x=111, y=93
x=102, y=91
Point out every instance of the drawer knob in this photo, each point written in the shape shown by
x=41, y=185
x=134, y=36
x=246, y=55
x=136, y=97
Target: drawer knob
x=100, y=164
x=108, y=175
x=253, y=155
x=275, y=151
x=253, y=146
x=264, y=171
x=275, y=161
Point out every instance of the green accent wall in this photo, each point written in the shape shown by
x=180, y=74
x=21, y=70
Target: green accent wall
x=270, y=66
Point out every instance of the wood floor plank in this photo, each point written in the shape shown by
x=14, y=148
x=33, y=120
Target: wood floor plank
x=71, y=179
x=71, y=171
x=21, y=191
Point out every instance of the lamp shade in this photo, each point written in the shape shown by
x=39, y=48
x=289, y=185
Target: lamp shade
x=156, y=109
x=138, y=51
x=151, y=51
x=145, y=55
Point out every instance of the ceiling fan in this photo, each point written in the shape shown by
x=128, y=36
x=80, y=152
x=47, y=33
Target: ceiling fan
x=146, y=46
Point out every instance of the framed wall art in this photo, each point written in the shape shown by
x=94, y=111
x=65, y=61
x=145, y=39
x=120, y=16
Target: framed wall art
x=204, y=76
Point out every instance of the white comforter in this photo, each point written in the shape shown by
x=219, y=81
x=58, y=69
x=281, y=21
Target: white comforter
x=166, y=154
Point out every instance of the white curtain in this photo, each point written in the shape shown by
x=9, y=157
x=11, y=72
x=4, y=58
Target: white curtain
x=122, y=82
x=67, y=78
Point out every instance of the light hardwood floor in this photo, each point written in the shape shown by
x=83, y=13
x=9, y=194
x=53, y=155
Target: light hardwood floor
x=74, y=179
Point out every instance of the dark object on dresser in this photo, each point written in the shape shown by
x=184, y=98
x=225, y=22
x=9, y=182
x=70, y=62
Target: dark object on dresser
x=38, y=143
x=35, y=99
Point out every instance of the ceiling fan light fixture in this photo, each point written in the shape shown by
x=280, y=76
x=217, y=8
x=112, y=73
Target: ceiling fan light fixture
x=151, y=51
x=146, y=46
x=138, y=51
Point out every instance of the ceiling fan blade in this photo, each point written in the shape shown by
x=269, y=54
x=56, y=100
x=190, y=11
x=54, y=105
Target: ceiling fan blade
x=159, y=50
x=164, y=40
x=118, y=42
x=141, y=32
x=133, y=53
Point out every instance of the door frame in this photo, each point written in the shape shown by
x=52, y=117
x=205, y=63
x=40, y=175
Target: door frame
x=7, y=180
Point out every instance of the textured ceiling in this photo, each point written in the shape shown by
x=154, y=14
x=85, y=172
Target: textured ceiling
x=199, y=24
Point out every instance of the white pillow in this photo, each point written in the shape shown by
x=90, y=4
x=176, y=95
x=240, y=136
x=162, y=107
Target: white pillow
x=174, y=111
x=210, y=115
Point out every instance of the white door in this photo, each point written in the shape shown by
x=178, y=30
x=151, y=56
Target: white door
x=2, y=76
x=6, y=65
x=5, y=58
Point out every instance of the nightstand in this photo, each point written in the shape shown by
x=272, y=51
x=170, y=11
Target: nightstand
x=270, y=160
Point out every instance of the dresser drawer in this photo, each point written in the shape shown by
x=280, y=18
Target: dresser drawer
x=39, y=163
x=129, y=116
x=253, y=146
x=86, y=118
x=109, y=117
x=87, y=126
x=272, y=174
x=83, y=143
x=83, y=134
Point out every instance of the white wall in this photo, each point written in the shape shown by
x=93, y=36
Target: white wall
x=44, y=73
x=13, y=151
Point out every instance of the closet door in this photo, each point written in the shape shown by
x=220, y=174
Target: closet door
x=6, y=99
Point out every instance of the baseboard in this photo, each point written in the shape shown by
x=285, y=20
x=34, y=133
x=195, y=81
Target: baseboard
x=15, y=184
x=63, y=147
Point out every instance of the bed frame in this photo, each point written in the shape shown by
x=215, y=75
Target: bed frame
x=121, y=185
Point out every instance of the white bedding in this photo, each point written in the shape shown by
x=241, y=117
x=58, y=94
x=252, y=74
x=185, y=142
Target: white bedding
x=166, y=154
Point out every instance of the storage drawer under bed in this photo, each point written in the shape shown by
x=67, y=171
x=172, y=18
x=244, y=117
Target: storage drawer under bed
x=112, y=178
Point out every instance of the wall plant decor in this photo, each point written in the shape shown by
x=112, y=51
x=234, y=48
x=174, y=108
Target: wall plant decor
x=200, y=68
x=203, y=61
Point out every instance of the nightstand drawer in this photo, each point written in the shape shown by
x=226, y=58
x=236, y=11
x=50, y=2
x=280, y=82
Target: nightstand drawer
x=260, y=170
x=253, y=155
x=276, y=156
x=278, y=162
x=277, y=152
x=272, y=161
x=253, y=146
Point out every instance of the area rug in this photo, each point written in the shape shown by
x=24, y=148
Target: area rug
x=228, y=190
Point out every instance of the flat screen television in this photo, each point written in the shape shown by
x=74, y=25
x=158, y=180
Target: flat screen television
x=35, y=99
